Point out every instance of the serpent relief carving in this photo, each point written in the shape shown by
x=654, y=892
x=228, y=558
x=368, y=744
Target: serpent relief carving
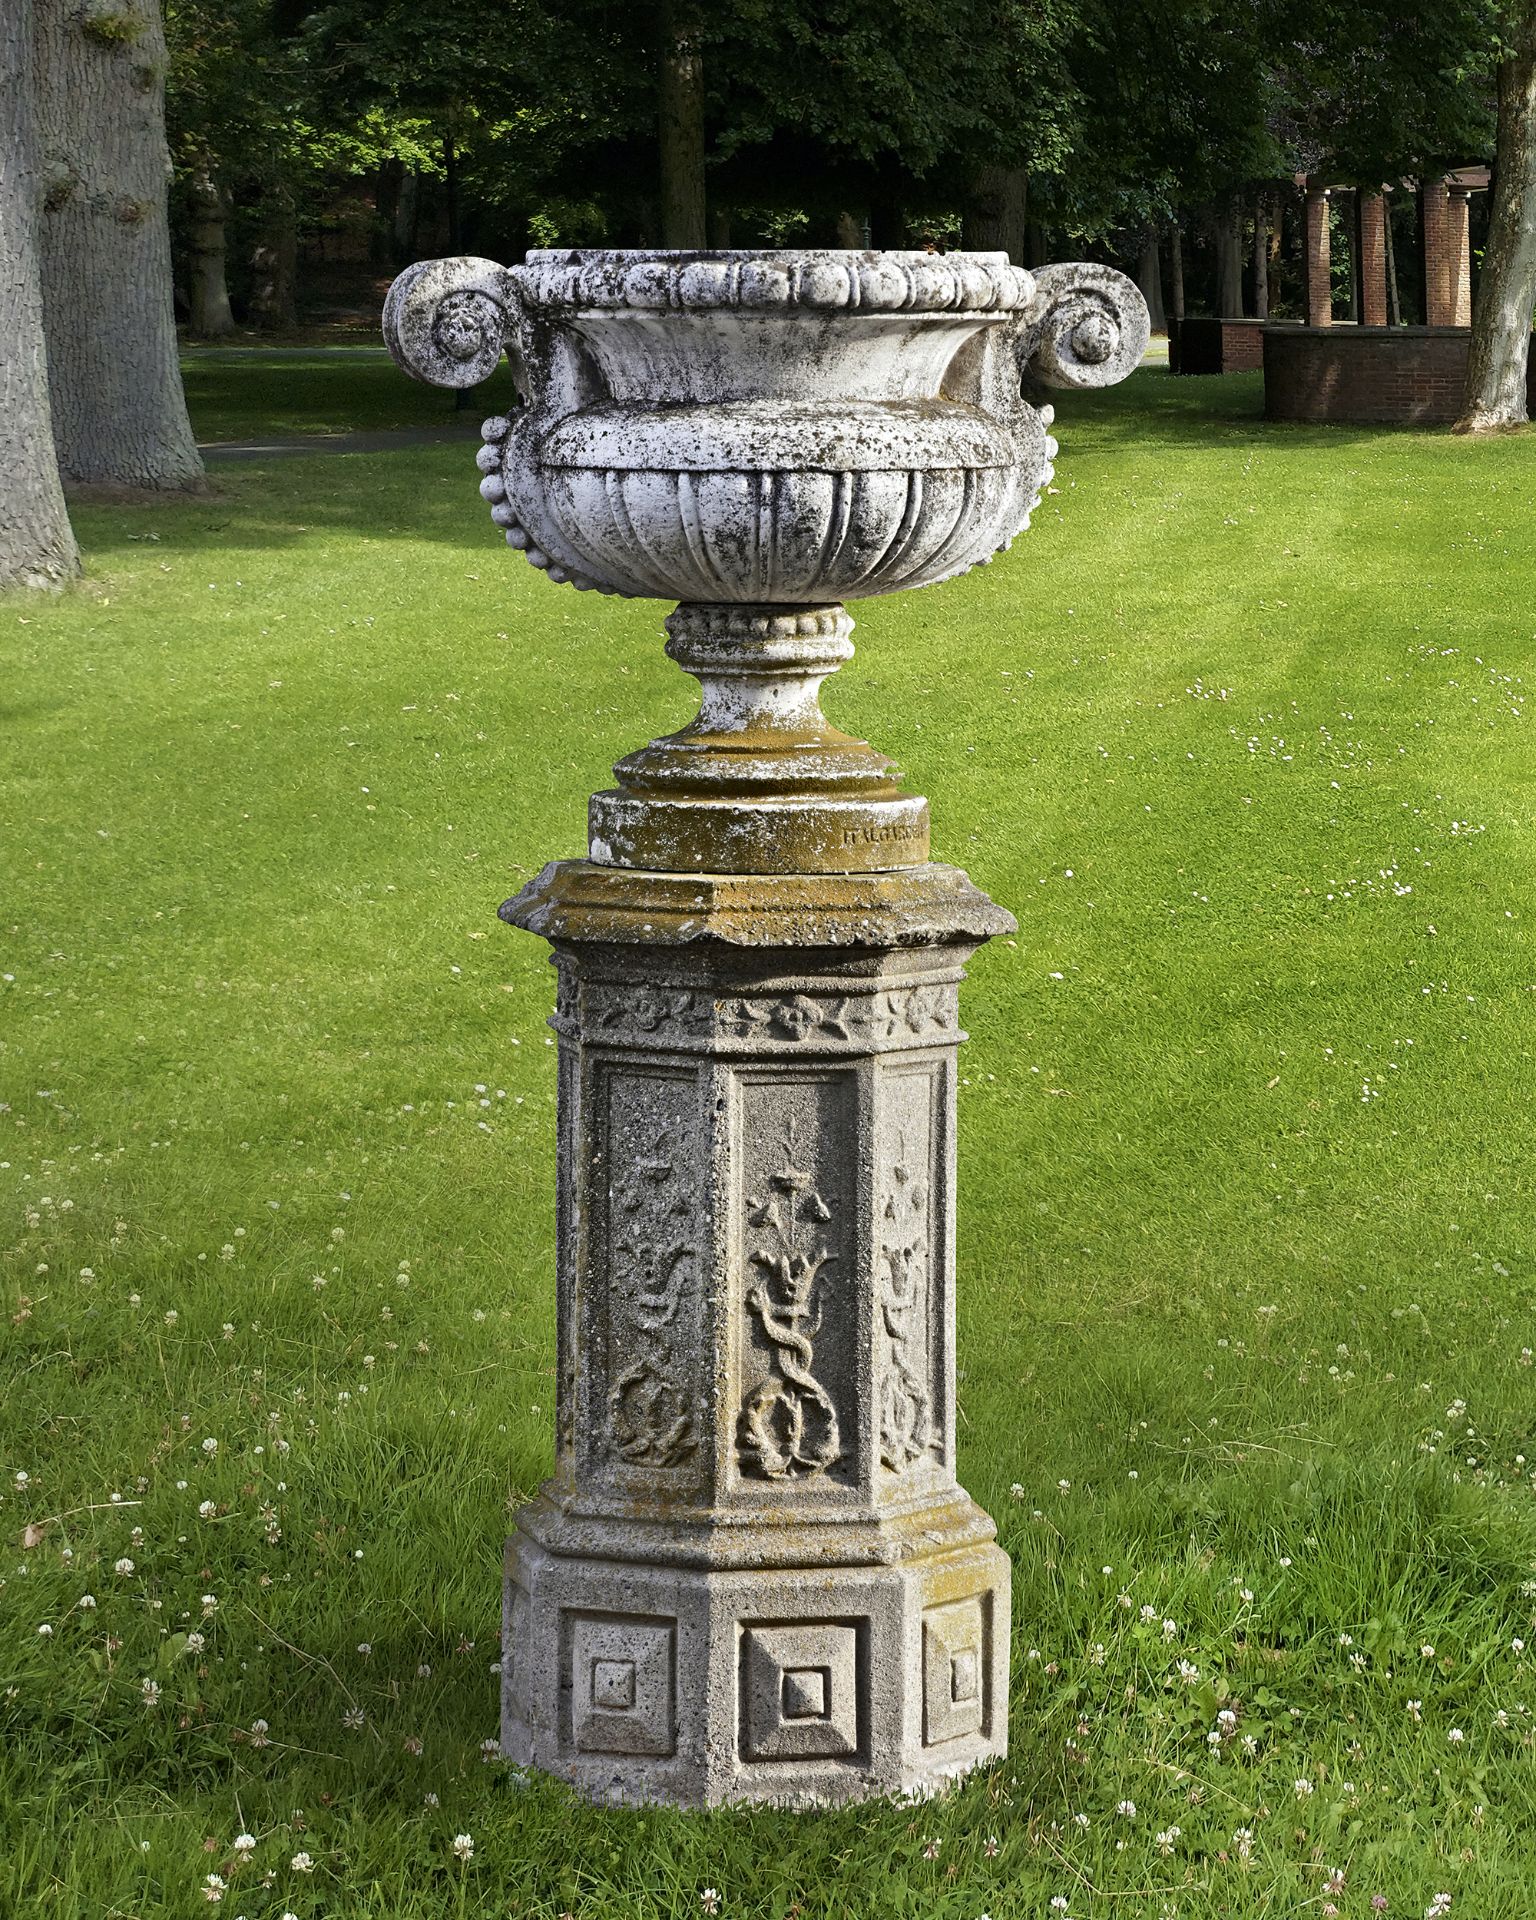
x=789, y=1427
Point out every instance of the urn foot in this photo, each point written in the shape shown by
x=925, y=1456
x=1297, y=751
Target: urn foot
x=639, y=1682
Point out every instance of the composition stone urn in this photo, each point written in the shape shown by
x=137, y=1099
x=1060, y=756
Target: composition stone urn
x=754, y=1575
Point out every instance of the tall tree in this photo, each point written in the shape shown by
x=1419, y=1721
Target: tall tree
x=1498, y=364
x=680, y=101
x=37, y=548
x=119, y=413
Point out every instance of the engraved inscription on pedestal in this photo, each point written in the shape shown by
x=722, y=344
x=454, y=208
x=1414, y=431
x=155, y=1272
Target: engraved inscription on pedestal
x=796, y=1330
x=906, y=1262
x=620, y=1673
x=954, y=1671
x=800, y=1691
x=651, y=1407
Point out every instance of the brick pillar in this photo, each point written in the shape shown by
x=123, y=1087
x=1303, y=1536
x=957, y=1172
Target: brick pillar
x=1458, y=258
x=1316, y=263
x=1371, y=259
x=1434, y=219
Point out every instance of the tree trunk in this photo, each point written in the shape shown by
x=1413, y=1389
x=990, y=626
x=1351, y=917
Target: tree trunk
x=1149, y=277
x=1229, y=265
x=209, y=288
x=681, y=93
x=995, y=212
x=1261, y=260
x=407, y=221
x=1501, y=322
x=1389, y=248
x=451, y=190
x=275, y=264
x=1176, y=271
x=37, y=548
x=119, y=413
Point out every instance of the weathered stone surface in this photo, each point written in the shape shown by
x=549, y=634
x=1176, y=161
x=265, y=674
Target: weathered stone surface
x=754, y=1575
x=777, y=429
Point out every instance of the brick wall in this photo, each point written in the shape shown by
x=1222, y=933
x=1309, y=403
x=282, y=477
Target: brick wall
x=1411, y=376
x=1201, y=344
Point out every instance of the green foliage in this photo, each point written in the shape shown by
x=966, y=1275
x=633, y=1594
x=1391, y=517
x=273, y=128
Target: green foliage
x=1248, y=1281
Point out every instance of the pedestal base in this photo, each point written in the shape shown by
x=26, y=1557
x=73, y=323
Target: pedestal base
x=753, y=1576
x=796, y=1685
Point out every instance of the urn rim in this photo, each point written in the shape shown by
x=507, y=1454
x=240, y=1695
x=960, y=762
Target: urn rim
x=771, y=280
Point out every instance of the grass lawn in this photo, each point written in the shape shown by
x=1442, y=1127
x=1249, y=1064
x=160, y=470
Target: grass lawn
x=1248, y=1232
x=237, y=392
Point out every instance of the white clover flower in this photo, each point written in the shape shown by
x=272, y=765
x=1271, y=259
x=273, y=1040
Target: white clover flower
x=45, y=1631
x=430, y=1800
x=210, y=1603
x=207, y=1509
x=463, y=1847
x=87, y=1602
x=123, y=1566
x=709, y=1900
x=1126, y=1809
x=213, y=1887
x=210, y=1446
x=1166, y=1840
x=150, y=1689
x=259, y=1734
x=1304, y=1789
x=195, y=1643
x=245, y=1843
x=354, y=1719
x=1455, y=1736
x=302, y=1863
x=1188, y=1672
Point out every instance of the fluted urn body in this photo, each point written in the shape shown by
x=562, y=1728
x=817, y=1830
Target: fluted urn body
x=754, y=1574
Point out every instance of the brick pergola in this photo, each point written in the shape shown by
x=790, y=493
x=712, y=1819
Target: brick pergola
x=1443, y=210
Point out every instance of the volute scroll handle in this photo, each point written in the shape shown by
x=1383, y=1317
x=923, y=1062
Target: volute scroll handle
x=448, y=322
x=1087, y=326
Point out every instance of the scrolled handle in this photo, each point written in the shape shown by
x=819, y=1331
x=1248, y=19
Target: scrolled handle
x=448, y=322
x=1087, y=326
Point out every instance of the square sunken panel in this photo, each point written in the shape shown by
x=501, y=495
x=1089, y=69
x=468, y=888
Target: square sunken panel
x=800, y=1691
x=954, y=1671
x=622, y=1685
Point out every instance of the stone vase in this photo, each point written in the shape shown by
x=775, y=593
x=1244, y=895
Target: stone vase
x=754, y=1575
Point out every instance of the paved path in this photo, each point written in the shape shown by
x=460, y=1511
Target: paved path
x=385, y=441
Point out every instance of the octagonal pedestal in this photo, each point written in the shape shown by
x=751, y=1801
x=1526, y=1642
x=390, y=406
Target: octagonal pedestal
x=753, y=1575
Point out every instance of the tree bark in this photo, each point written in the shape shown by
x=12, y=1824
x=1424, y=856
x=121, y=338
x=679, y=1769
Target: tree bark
x=119, y=413
x=995, y=214
x=681, y=92
x=209, y=289
x=275, y=264
x=1261, y=260
x=1149, y=277
x=1501, y=321
x=1176, y=271
x=37, y=548
x=1229, y=265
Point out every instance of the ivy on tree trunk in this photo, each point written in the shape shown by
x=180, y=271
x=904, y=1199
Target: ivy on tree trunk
x=119, y=414
x=1501, y=323
x=37, y=548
